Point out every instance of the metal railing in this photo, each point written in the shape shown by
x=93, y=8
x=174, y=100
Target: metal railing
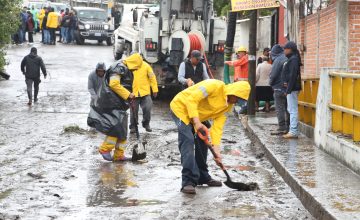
x=345, y=104
x=307, y=100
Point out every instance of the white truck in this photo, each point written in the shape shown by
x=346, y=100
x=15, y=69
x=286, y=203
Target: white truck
x=166, y=34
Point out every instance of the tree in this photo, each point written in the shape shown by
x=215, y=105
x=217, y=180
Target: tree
x=221, y=7
x=9, y=24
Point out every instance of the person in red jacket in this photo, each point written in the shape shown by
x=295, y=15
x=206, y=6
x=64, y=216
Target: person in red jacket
x=240, y=65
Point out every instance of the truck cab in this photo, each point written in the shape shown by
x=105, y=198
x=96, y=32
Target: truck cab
x=92, y=24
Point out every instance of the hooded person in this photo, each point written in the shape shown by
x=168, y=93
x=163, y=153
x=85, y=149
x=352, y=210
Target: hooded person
x=116, y=77
x=291, y=76
x=276, y=82
x=144, y=82
x=208, y=100
x=30, y=67
x=95, y=81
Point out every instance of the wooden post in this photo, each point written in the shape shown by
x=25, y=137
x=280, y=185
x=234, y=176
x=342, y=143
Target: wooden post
x=252, y=61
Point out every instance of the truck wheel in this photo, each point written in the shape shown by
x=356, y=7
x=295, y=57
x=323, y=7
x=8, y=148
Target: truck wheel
x=118, y=56
x=109, y=41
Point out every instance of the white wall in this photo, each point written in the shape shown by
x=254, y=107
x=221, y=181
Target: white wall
x=263, y=33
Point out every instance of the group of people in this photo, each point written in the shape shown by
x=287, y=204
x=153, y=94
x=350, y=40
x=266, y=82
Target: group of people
x=28, y=24
x=48, y=22
x=201, y=106
x=278, y=79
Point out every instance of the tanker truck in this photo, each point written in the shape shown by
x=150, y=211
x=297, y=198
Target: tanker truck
x=166, y=34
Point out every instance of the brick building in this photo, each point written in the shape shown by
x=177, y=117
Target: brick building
x=330, y=37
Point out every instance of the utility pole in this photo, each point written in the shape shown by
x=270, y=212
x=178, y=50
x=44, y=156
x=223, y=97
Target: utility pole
x=252, y=61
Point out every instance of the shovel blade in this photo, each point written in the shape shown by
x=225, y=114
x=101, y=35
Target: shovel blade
x=138, y=156
x=241, y=186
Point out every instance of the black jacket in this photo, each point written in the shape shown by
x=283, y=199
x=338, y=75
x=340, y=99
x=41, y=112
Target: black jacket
x=279, y=59
x=291, y=74
x=31, y=65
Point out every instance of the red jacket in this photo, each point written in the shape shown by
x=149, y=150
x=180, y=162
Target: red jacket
x=241, y=68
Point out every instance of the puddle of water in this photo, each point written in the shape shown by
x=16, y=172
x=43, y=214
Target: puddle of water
x=246, y=211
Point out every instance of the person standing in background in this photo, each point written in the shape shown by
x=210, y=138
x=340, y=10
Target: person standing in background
x=266, y=53
x=52, y=24
x=292, y=82
x=276, y=82
x=264, y=91
x=30, y=25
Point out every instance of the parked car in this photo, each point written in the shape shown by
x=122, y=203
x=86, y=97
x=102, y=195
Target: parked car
x=93, y=24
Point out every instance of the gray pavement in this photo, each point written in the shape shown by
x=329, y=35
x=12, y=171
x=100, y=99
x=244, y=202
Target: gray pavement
x=47, y=173
x=327, y=188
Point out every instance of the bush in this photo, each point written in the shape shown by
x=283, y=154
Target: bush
x=9, y=24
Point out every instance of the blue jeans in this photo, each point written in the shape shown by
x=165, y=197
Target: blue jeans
x=193, y=155
x=62, y=33
x=70, y=35
x=46, y=36
x=292, y=101
x=21, y=36
x=65, y=36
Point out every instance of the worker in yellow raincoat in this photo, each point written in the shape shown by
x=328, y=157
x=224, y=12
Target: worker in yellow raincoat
x=132, y=63
x=208, y=100
x=144, y=82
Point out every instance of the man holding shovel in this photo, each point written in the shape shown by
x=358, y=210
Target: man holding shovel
x=208, y=100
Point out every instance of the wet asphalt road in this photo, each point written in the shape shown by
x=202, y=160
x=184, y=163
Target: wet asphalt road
x=46, y=173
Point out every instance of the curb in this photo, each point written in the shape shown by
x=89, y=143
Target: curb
x=316, y=209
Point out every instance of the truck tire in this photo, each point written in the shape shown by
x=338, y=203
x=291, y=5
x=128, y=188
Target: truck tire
x=109, y=41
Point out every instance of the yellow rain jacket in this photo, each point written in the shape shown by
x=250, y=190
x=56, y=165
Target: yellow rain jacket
x=53, y=20
x=41, y=17
x=144, y=77
x=133, y=62
x=208, y=101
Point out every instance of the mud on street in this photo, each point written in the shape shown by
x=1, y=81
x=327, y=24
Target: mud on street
x=50, y=170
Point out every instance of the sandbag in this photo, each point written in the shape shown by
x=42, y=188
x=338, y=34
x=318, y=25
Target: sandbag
x=109, y=122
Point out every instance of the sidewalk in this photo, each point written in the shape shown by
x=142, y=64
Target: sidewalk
x=328, y=189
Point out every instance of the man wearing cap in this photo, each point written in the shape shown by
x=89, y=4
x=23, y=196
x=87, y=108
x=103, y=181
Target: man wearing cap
x=192, y=70
x=292, y=82
x=207, y=100
x=241, y=65
x=30, y=67
x=95, y=81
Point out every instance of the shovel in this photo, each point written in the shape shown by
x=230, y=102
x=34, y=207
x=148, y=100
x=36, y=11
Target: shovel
x=204, y=135
x=136, y=155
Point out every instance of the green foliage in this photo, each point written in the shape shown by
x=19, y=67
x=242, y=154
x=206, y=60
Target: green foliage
x=221, y=7
x=9, y=23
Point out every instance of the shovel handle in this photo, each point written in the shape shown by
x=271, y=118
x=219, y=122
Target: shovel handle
x=204, y=135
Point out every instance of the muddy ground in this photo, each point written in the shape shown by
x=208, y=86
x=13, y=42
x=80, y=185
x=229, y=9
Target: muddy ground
x=47, y=173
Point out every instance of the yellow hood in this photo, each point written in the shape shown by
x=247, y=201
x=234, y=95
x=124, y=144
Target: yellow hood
x=134, y=61
x=240, y=89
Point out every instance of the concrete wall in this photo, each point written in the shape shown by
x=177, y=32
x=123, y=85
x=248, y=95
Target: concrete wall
x=340, y=148
x=263, y=35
